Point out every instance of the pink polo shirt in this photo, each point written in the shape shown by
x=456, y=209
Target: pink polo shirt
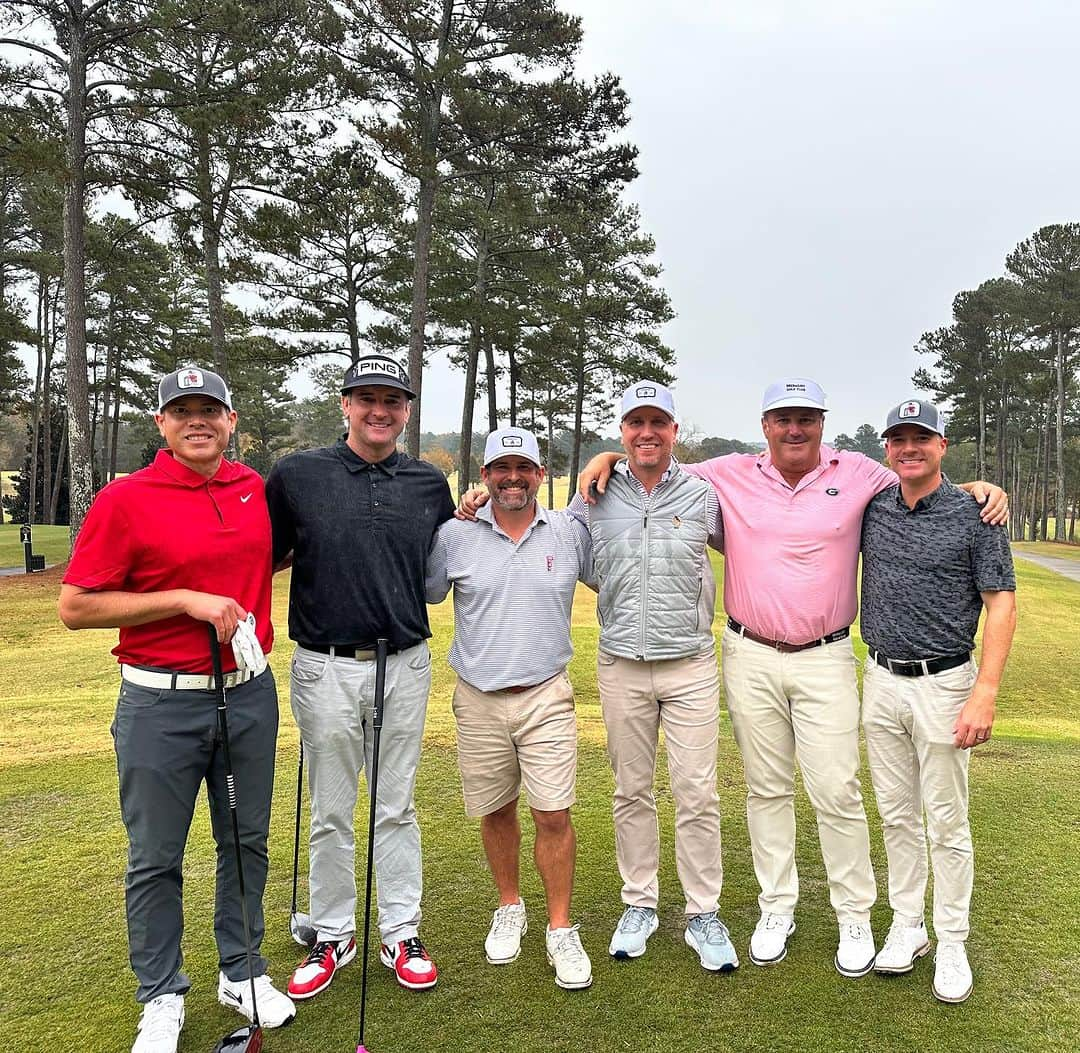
x=791, y=555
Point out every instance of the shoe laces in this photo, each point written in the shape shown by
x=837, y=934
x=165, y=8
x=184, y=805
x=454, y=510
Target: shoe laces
x=634, y=919
x=856, y=931
x=414, y=948
x=317, y=954
x=950, y=956
x=508, y=919
x=567, y=943
x=713, y=930
x=773, y=921
x=159, y=1018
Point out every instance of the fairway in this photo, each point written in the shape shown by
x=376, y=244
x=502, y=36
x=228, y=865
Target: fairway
x=65, y=981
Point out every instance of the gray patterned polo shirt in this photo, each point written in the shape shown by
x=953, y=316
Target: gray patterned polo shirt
x=923, y=570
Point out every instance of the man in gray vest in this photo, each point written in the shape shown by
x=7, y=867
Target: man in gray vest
x=657, y=666
x=514, y=572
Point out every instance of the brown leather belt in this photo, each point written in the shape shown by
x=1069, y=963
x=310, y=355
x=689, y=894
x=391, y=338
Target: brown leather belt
x=780, y=645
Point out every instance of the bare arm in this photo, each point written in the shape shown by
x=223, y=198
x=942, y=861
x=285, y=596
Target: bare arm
x=976, y=719
x=598, y=471
x=91, y=609
x=994, y=501
x=471, y=500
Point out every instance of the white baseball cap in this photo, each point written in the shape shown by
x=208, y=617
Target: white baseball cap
x=512, y=442
x=791, y=392
x=647, y=393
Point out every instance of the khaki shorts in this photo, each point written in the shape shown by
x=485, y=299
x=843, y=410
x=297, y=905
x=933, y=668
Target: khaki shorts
x=507, y=741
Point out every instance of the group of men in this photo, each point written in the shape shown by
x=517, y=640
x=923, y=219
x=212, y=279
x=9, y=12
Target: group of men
x=371, y=537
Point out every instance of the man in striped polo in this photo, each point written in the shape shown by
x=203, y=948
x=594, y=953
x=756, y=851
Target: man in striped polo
x=514, y=570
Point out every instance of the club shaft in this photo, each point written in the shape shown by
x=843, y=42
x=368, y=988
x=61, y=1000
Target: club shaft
x=381, y=646
x=230, y=782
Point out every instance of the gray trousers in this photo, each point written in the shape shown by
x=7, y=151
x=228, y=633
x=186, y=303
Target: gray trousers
x=167, y=744
x=331, y=700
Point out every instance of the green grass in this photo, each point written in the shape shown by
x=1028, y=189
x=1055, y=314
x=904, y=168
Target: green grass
x=65, y=983
x=1048, y=548
x=53, y=542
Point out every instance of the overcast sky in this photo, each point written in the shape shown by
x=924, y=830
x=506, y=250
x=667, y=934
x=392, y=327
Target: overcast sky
x=822, y=177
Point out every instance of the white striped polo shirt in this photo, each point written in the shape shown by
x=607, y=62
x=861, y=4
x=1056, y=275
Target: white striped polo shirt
x=512, y=601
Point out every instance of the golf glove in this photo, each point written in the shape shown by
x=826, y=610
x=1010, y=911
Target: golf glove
x=245, y=647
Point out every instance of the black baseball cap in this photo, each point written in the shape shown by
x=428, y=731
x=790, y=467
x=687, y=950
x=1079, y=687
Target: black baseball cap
x=377, y=370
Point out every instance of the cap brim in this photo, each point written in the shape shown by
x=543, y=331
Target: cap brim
x=794, y=403
x=378, y=382
x=918, y=424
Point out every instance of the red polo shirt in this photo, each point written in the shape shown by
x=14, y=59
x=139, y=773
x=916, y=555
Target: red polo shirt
x=167, y=527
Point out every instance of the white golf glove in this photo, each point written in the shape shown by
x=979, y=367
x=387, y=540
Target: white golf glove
x=246, y=649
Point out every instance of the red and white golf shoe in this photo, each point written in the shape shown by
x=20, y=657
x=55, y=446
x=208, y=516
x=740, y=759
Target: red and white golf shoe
x=316, y=971
x=411, y=963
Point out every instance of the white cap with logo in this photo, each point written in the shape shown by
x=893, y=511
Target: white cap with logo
x=793, y=392
x=647, y=393
x=512, y=442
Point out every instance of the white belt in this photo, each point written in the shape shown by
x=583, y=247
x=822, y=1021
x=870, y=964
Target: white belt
x=134, y=674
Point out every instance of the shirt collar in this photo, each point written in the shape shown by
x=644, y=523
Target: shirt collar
x=827, y=456
x=927, y=501
x=623, y=468
x=355, y=463
x=486, y=514
x=167, y=464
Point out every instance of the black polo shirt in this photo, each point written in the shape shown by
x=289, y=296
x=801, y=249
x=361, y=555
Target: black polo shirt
x=923, y=570
x=360, y=535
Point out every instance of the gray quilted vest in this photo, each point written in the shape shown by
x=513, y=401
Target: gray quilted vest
x=657, y=590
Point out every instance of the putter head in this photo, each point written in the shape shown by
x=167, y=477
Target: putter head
x=246, y=1039
x=301, y=929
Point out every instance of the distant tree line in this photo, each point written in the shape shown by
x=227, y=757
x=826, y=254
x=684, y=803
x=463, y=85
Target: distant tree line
x=1007, y=366
x=259, y=185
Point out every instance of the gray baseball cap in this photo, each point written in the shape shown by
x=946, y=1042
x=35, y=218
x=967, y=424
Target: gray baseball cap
x=193, y=381
x=377, y=371
x=512, y=442
x=915, y=411
x=647, y=393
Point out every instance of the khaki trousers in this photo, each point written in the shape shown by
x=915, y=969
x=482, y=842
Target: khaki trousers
x=916, y=769
x=637, y=698
x=805, y=707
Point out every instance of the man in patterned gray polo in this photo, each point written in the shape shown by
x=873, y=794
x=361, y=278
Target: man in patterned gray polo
x=930, y=568
x=514, y=571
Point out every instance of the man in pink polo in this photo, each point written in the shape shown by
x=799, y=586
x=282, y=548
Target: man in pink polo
x=792, y=519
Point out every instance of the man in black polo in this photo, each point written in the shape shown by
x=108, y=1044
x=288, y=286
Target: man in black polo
x=358, y=518
x=930, y=567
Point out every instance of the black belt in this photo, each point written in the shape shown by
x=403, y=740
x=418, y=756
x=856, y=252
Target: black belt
x=780, y=645
x=920, y=668
x=358, y=652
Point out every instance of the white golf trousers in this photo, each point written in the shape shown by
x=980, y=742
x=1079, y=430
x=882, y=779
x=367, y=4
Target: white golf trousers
x=331, y=701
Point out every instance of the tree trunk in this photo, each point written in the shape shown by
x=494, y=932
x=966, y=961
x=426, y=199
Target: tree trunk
x=1044, y=503
x=1000, y=441
x=1060, y=349
x=35, y=409
x=430, y=109
x=551, y=448
x=59, y=475
x=81, y=484
x=211, y=237
x=512, y=359
x=980, y=445
x=472, y=356
x=492, y=400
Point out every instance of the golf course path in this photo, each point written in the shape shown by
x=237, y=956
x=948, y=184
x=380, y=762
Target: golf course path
x=1069, y=567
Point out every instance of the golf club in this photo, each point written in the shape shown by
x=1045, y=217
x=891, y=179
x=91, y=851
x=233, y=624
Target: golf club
x=381, y=647
x=300, y=926
x=247, y=1039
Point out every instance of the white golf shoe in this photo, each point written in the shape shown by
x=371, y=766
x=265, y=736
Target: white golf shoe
x=503, y=943
x=573, y=970
x=903, y=945
x=769, y=940
x=275, y=1009
x=160, y=1024
x=855, y=951
x=952, y=974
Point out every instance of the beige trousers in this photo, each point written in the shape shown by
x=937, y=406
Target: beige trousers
x=804, y=707
x=637, y=698
x=916, y=769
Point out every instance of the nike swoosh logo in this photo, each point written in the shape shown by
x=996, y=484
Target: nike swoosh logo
x=235, y=999
x=244, y=500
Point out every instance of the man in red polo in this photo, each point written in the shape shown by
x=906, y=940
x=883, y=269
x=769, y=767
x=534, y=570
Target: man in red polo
x=164, y=551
